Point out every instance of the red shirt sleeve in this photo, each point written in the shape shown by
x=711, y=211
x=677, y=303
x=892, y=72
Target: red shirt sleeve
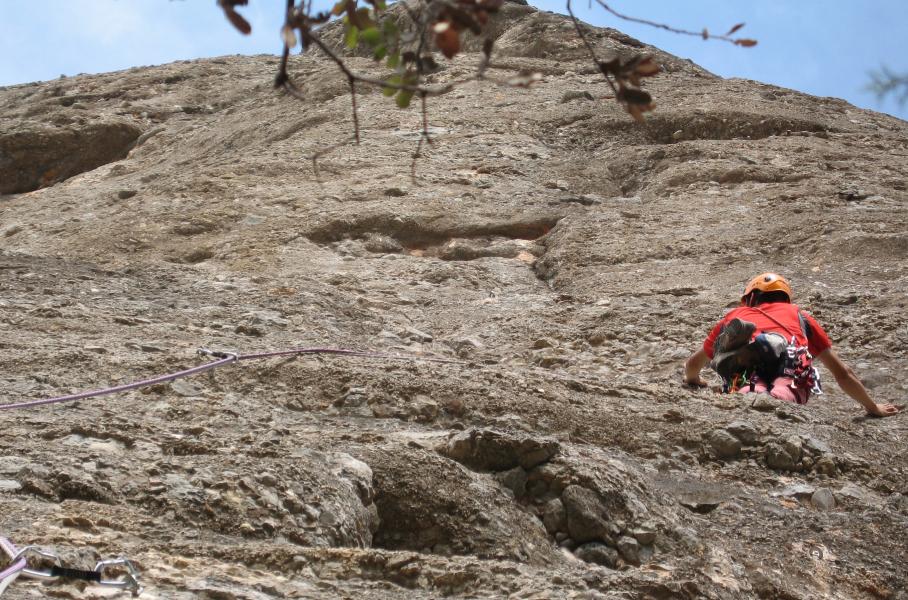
x=817, y=339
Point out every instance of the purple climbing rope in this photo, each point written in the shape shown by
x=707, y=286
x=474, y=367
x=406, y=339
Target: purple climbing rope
x=223, y=359
x=9, y=574
x=345, y=352
x=122, y=388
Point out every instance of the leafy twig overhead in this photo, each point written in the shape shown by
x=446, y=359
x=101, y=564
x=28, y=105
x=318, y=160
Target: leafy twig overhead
x=886, y=82
x=408, y=52
x=704, y=33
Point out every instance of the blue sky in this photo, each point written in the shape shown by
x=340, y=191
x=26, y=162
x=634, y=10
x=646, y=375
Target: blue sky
x=822, y=47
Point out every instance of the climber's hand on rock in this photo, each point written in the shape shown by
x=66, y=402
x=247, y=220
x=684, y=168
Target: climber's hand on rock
x=884, y=410
x=694, y=383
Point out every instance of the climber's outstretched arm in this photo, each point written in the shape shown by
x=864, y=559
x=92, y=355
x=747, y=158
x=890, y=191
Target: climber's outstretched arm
x=852, y=386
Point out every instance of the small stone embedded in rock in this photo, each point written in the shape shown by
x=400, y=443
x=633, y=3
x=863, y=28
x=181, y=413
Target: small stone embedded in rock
x=423, y=409
x=270, y=318
x=248, y=330
x=9, y=485
x=724, y=444
x=575, y=95
x=266, y=478
x=858, y=493
x=789, y=412
x=11, y=230
x=547, y=359
x=645, y=534
x=465, y=346
x=699, y=506
x=793, y=447
x=327, y=518
x=823, y=499
x=554, y=516
x=383, y=244
x=197, y=255
x=744, y=431
x=764, y=403
x=629, y=549
x=587, y=519
x=514, y=479
x=11, y=465
x=352, y=396
x=250, y=220
x=126, y=194
x=778, y=458
x=568, y=543
x=796, y=490
x=825, y=465
x=498, y=451
x=853, y=194
x=411, y=333
x=898, y=502
x=355, y=471
x=598, y=553
x=185, y=388
x=815, y=446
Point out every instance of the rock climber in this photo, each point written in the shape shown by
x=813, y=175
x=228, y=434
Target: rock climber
x=767, y=344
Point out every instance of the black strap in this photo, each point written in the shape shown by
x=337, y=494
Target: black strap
x=66, y=572
x=805, y=326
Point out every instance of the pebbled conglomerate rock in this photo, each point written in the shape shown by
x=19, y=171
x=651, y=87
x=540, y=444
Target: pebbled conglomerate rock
x=566, y=257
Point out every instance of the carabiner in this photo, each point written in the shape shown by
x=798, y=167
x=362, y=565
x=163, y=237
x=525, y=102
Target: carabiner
x=129, y=581
x=35, y=550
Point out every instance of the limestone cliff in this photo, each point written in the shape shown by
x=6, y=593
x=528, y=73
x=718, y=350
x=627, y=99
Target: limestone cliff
x=570, y=257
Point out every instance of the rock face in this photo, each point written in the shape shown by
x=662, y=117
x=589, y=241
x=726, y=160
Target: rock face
x=38, y=156
x=569, y=257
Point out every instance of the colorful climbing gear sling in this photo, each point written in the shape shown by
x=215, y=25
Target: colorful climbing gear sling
x=770, y=356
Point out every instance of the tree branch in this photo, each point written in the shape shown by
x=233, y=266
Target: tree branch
x=704, y=34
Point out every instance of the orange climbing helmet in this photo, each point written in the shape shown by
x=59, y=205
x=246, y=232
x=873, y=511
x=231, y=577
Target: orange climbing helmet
x=765, y=283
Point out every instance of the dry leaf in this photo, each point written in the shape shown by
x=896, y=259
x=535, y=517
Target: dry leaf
x=747, y=43
x=288, y=36
x=734, y=29
x=234, y=17
x=634, y=96
x=447, y=40
x=647, y=67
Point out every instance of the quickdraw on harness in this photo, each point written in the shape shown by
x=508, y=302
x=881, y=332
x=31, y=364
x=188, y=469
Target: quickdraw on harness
x=125, y=576
x=770, y=355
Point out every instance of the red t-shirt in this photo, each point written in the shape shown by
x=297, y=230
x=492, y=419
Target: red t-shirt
x=776, y=317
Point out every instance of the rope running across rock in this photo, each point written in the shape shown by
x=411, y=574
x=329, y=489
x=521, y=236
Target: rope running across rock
x=223, y=358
